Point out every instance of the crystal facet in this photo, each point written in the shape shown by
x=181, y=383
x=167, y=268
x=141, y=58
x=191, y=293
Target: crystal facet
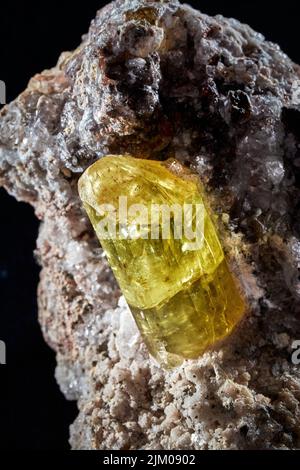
x=183, y=300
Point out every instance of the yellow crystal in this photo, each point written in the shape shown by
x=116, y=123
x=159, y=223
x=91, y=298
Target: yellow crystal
x=183, y=300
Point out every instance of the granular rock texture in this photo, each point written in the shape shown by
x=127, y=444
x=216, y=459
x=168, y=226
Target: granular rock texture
x=159, y=79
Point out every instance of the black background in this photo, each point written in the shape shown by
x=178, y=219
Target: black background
x=34, y=414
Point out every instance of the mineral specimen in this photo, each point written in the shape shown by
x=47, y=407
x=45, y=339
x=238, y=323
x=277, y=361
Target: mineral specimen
x=159, y=79
x=179, y=289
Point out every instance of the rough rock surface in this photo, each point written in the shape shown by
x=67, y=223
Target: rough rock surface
x=158, y=79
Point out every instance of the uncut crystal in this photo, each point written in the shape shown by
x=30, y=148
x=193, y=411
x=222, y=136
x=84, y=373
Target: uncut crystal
x=183, y=300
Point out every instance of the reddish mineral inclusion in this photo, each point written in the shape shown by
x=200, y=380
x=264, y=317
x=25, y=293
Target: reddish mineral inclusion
x=183, y=300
